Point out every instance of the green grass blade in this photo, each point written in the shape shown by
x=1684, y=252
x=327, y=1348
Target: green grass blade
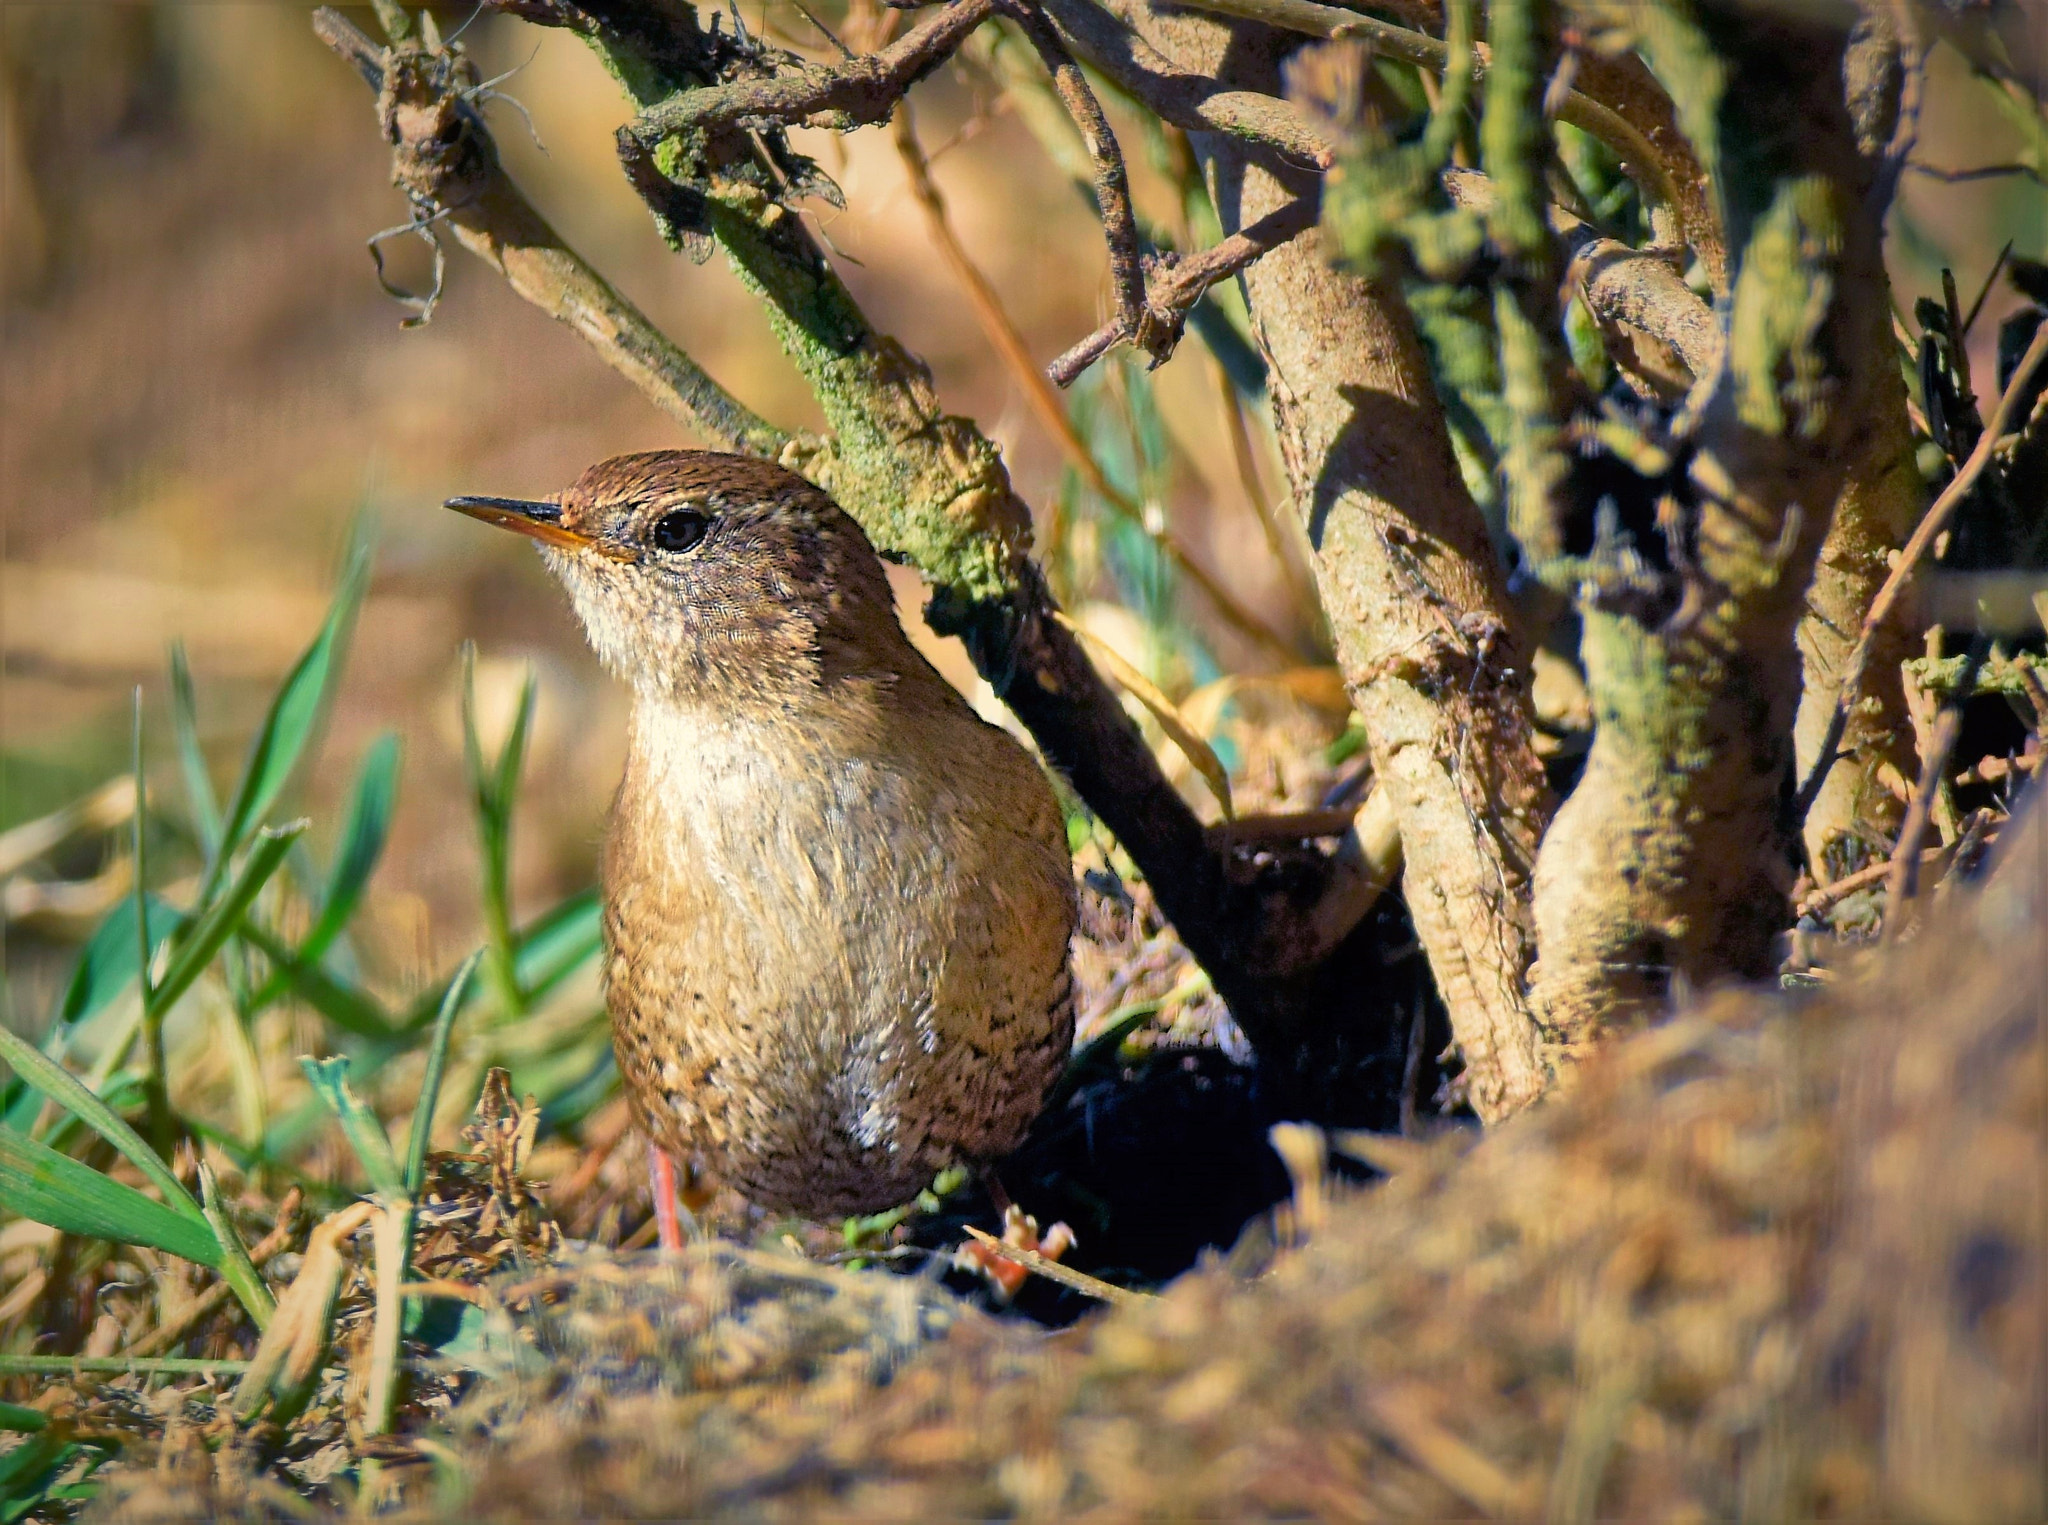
x=293, y=714
x=236, y=1268
x=23, y=1421
x=107, y=966
x=159, y=1090
x=224, y=916
x=341, y=1003
x=430, y=1086
x=40, y=1184
x=363, y=836
x=359, y=1125
x=505, y=786
x=558, y=943
x=199, y=795
x=553, y=946
x=69, y=1092
x=362, y=843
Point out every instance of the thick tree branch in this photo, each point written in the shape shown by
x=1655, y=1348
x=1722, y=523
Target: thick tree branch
x=1269, y=129
x=1417, y=603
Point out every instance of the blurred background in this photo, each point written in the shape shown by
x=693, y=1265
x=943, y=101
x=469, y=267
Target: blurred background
x=202, y=386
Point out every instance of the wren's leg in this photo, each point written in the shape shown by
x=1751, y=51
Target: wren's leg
x=661, y=1170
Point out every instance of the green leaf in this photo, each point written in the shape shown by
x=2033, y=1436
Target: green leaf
x=560, y=942
x=359, y=1125
x=107, y=966
x=513, y=756
x=341, y=1003
x=47, y=1187
x=224, y=916
x=430, y=1086
x=199, y=793
x=236, y=1268
x=553, y=946
x=362, y=843
x=68, y=1091
x=293, y=714
x=23, y=1421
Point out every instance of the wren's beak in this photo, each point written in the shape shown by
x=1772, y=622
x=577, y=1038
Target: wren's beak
x=536, y=521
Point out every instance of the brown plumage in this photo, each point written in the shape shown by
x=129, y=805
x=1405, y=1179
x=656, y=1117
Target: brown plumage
x=837, y=903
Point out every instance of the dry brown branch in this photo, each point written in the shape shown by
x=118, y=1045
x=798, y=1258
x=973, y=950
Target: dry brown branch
x=1268, y=128
x=478, y=202
x=1997, y=431
x=855, y=93
x=1176, y=283
x=1112, y=186
x=1828, y=896
x=1009, y=344
x=1902, y=874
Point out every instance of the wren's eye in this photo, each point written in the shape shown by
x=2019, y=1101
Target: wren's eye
x=678, y=531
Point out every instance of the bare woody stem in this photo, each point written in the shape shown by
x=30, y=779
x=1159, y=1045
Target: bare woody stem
x=1417, y=604
x=1997, y=433
x=858, y=92
x=1112, y=186
x=495, y=222
x=1667, y=862
x=1178, y=282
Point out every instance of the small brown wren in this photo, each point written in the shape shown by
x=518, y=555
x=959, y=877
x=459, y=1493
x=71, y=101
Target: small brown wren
x=836, y=902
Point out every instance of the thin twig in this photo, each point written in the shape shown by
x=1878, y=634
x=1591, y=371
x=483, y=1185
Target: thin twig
x=1112, y=184
x=1909, y=559
x=1178, y=282
x=495, y=222
x=1828, y=896
x=1981, y=172
x=1052, y=1270
x=1903, y=872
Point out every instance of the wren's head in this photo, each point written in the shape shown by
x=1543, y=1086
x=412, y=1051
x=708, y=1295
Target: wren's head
x=711, y=577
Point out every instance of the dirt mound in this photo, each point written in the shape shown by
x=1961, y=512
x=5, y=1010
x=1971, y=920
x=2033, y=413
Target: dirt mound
x=1778, y=1258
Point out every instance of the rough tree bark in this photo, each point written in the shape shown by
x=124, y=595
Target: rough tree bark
x=1859, y=802
x=1414, y=592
